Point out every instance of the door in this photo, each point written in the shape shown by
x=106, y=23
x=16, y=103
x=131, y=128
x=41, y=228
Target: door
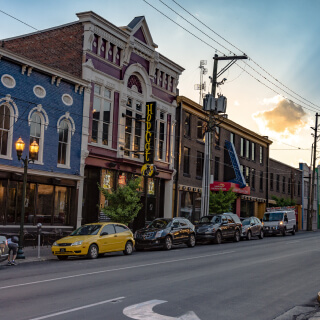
x=107, y=240
x=185, y=230
x=224, y=227
x=254, y=227
x=176, y=231
x=231, y=226
x=123, y=234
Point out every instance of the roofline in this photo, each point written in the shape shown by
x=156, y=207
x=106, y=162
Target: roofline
x=52, y=71
x=41, y=31
x=285, y=164
x=181, y=69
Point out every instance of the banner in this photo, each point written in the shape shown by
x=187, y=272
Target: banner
x=150, y=127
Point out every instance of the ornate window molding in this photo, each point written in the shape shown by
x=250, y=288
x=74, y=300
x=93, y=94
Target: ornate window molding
x=134, y=83
x=67, y=99
x=40, y=110
x=8, y=81
x=70, y=120
x=39, y=91
x=7, y=99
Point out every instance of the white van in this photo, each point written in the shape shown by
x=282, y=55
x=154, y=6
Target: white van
x=279, y=222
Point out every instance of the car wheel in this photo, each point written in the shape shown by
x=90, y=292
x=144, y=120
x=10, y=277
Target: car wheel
x=237, y=236
x=62, y=257
x=192, y=241
x=261, y=234
x=128, y=248
x=168, y=243
x=249, y=235
x=284, y=232
x=293, y=230
x=93, y=252
x=218, y=238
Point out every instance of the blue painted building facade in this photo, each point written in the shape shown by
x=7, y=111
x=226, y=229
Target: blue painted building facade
x=45, y=105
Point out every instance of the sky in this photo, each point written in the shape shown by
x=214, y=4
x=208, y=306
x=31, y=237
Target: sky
x=275, y=92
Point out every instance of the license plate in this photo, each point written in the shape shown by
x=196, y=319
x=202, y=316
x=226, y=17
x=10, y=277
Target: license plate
x=62, y=250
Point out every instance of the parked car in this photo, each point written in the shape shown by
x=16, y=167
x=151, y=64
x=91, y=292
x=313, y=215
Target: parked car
x=215, y=228
x=252, y=227
x=3, y=248
x=94, y=239
x=165, y=233
x=279, y=222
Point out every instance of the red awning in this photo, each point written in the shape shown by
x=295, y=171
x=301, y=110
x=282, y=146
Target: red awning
x=225, y=186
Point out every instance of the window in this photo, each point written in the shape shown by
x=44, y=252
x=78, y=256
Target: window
x=187, y=124
x=253, y=151
x=36, y=133
x=232, y=137
x=186, y=160
x=247, y=149
x=299, y=188
x=217, y=136
x=283, y=184
x=242, y=147
x=201, y=129
x=109, y=229
x=120, y=228
x=4, y=130
x=253, y=178
x=260, y=155
x=161, y=150
x=216, y=168
x=102, y=103
x=247, y=176
x=64, y=144
x=261, y=180
x=200, y=158
x=271, y=181
x=133, y=128
x=289, y=186
x=278, y=183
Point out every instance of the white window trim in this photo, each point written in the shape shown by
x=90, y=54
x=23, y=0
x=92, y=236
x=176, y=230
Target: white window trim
x=10, y=77
x=158, y=137
x=68, y=151
x=42, y=88
x=110, y=127
x=42, y=126
x=8, y=156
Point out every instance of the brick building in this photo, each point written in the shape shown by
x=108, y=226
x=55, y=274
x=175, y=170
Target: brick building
x=42, y=104
x=125, y=72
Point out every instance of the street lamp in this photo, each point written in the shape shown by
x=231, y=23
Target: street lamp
x=33, y=152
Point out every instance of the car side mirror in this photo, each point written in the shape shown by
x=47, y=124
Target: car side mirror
x=104, y=234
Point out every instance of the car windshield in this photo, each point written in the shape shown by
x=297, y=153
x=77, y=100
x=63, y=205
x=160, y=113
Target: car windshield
x=159, y=224
x=87, y=230
x=273, y=216
x=214, y=219
x=246, y=222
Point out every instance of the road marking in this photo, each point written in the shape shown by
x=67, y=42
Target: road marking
x=118, y=269
x=143, y=311
x=77, y=309
x=293, y=241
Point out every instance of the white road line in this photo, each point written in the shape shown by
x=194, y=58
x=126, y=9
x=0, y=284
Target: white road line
x=76, y=309
x=118, y=269
x=293, y=241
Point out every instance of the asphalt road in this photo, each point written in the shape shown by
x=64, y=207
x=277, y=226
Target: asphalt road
x=257, y=279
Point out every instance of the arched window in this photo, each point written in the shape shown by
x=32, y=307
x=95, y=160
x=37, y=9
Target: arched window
x=64, y=144
x=36, y=133
x=5, y=130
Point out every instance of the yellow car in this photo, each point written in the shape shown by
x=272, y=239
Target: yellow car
x=93, y=239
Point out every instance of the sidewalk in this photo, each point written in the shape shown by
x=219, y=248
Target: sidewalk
x=31, y=254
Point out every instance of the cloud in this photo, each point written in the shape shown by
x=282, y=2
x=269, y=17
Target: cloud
x=284, y=120
x=236, y=103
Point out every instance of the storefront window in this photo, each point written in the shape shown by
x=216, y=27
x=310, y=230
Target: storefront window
x=186, y=205
x=61, y=205
x=44, y=204
x=12, y=205
x=122, y=181
x=3, y=191
x=29, y=203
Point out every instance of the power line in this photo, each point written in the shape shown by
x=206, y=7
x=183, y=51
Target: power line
x=18, y=20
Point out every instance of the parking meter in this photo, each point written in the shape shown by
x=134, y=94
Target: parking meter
x=39, y=227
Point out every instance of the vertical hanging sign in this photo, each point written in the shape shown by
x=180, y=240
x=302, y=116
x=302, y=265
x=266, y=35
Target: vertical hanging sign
x=150, y=127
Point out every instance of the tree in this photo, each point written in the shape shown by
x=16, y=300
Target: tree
x=124, y=202
x=221, y=201
x=282, y=202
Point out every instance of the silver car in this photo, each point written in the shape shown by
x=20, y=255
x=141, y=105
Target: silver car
x=3, y=248
x=252, y=227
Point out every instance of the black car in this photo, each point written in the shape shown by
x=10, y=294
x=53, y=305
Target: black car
x=252, y=227
x=215, y=228
x=165, y=233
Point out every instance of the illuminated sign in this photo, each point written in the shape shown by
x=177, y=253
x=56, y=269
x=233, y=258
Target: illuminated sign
x=150, y=125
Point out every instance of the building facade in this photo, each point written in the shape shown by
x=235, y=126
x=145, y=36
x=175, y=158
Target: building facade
x=41, y=104
x=125, y=72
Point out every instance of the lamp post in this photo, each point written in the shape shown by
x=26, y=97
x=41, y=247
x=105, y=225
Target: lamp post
x=33, y=152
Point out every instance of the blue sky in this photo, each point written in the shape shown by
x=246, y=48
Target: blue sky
x=281, y=36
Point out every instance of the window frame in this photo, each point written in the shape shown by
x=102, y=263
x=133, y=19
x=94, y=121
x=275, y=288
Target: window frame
x=41, y=138
x=186, y=160
x=68, y=148
x=8, y=154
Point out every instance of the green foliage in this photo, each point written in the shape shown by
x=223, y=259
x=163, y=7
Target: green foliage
x=221, y=201
x=282, y=202
x=124, y=202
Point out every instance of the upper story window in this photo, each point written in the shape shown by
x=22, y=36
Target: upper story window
x=64, y=144
x=253, y=178
x=161, y=135
x=232, y=137
x=217, y=136
x=260, y=155
x=5, y=130
x=242, y=147
x=201, y=130
x=102, y=113
x=299, y=188
x=187, y=124
x=200, y=159
x=289, y=185
x=186, y=160
x=36, y=133
x=247, y=149
x=278, y=183
x=261, y=180
x=253, y=151
x=271, y=181
x=283, y=184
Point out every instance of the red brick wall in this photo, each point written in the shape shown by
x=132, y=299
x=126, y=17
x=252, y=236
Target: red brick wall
x=60, y=48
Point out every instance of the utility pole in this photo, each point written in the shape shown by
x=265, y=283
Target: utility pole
x=211, y=105
x=311, y=198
